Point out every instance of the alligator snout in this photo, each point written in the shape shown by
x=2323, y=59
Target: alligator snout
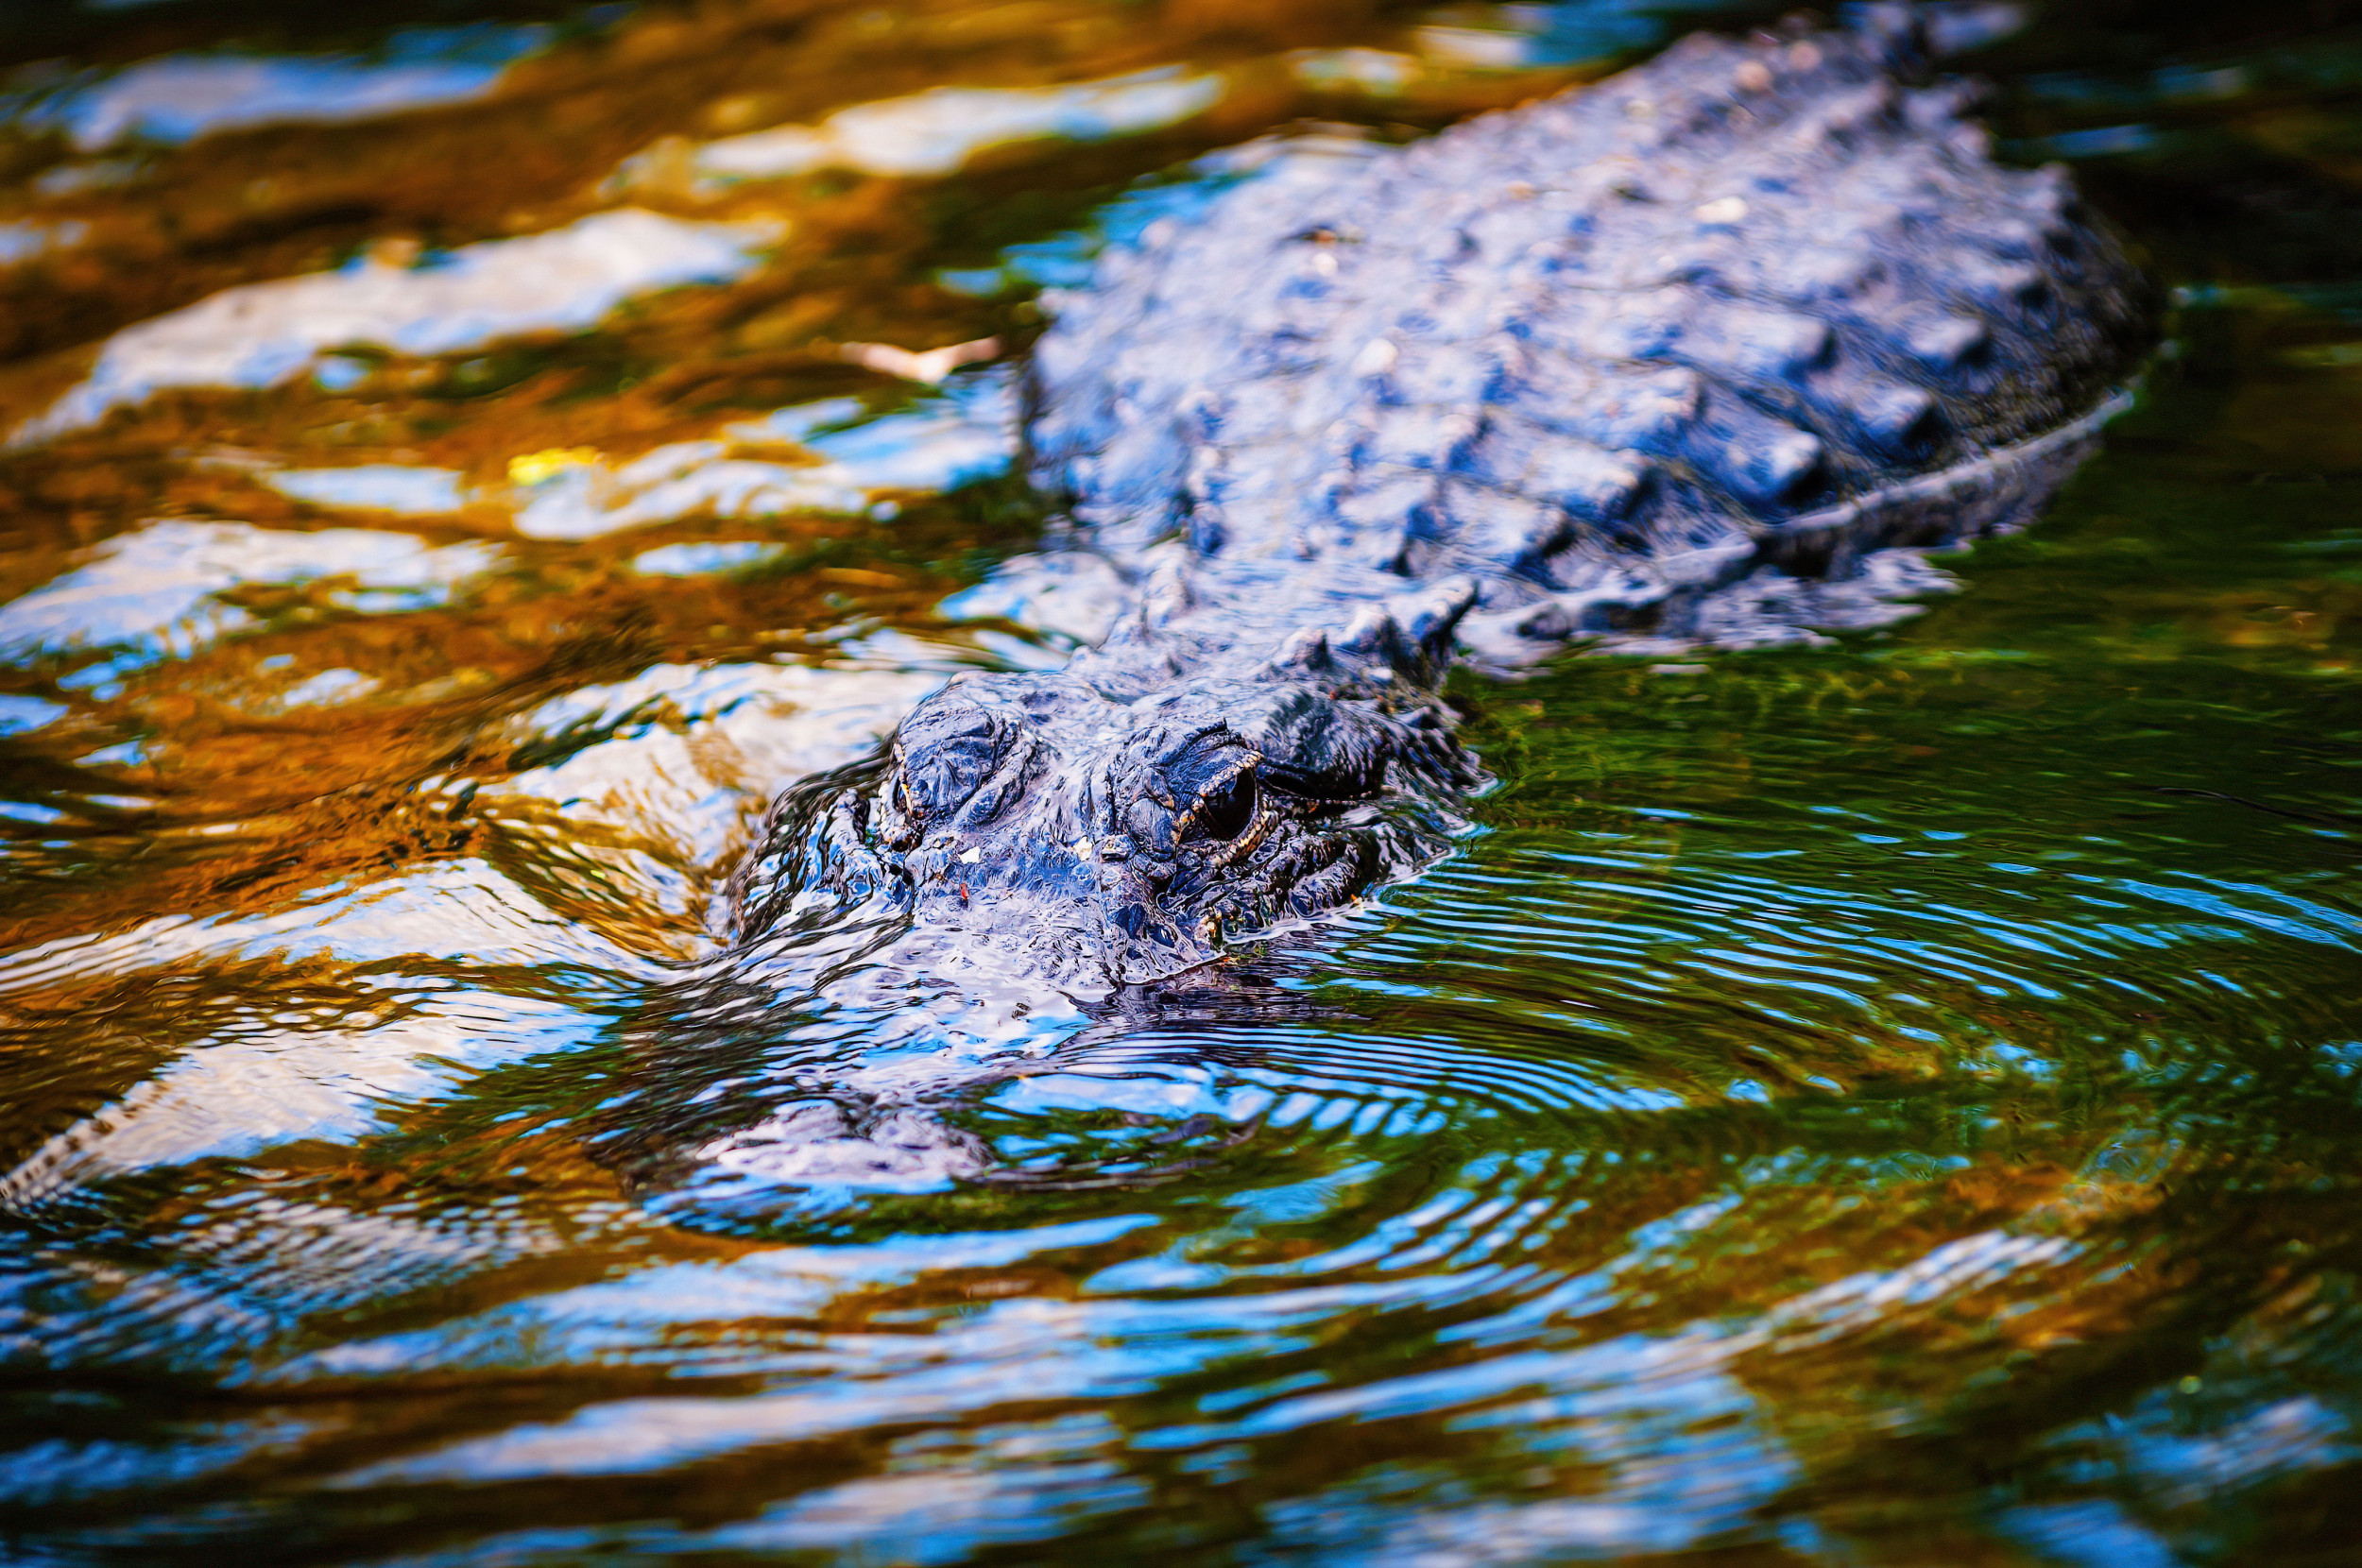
x=1038, y=820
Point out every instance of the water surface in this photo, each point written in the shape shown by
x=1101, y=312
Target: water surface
x=1891, y=1102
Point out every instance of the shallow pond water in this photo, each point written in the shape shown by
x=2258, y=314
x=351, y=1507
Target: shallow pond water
x=1892, y=1102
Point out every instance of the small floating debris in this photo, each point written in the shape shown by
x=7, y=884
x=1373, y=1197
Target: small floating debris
x=930, y=366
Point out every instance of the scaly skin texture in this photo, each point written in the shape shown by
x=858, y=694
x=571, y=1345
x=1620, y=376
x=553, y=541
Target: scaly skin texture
x=1700, y=355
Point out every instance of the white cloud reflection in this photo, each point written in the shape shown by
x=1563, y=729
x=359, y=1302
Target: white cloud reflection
x=263, y=334
x=153, y=591
x=936, y=132
x=181, y=97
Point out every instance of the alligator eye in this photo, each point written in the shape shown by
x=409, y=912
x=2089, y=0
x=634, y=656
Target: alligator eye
x=1226, y=808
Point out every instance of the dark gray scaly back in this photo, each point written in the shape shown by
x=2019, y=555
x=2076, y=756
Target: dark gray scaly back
x=1693, y=356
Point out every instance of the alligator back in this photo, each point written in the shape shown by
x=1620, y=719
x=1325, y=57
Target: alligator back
x=1622, y=359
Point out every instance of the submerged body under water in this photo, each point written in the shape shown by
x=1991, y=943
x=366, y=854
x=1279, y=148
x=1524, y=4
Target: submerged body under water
x=1884, y=1101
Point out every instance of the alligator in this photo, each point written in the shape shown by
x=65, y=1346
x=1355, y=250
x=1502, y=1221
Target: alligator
x=1709, y=353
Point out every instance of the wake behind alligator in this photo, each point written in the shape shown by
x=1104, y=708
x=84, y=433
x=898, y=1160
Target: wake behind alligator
x=1708, y=355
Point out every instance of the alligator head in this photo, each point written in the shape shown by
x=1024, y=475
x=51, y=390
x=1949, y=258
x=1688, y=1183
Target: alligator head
x=1040, y=822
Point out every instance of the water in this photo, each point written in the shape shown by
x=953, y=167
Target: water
x=1888, y=1103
